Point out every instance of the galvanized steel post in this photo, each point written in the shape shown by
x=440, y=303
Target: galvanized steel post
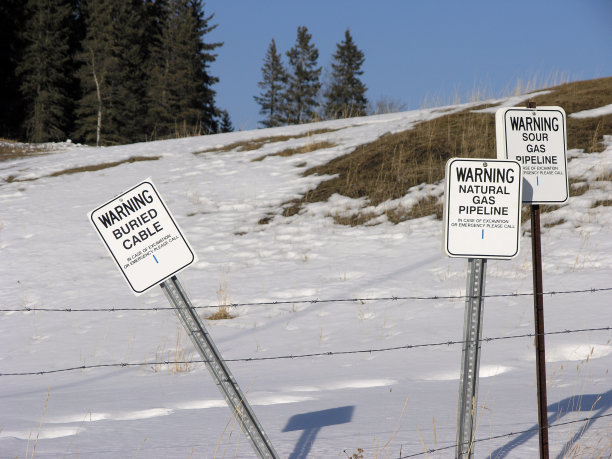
x=470, y=358
x=218, y=369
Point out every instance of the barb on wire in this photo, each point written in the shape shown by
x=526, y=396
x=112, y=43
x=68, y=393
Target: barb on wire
x=309, y=355
x=310, y=301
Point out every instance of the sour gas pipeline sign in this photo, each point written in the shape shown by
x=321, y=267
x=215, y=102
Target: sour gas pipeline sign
x=142, y=237
x=482, y=208
x=536, y=138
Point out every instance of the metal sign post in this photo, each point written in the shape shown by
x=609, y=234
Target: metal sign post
x=537, y=138
x=470, y=358
x=218, y=369
x=149, y=249
x=538, y=312
x=482, y=219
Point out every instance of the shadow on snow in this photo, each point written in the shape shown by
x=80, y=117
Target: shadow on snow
x=311, y=423
x=594, y=404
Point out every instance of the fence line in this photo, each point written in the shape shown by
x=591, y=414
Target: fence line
x=309, y=301
x=509, y=434
x=310, y=355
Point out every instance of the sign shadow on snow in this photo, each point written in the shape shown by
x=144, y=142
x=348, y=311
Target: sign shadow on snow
x=593, y=404
x=311, y=423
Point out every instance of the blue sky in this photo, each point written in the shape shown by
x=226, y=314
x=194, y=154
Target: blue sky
x=417, y=52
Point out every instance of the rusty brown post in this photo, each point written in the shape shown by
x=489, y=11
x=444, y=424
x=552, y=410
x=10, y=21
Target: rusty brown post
x=538, y=304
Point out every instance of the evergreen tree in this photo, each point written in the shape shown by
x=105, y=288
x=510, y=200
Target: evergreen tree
x=304, y=82
x=273, y=86
x=44, y=70
x=181, y=98
x=97, y=120
x=12, y=20
x=113, y=75
x=225, y=124
x=129, y=79
x=345, y=96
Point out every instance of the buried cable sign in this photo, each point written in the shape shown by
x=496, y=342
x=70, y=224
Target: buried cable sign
x=482, y=208
x=142, y=237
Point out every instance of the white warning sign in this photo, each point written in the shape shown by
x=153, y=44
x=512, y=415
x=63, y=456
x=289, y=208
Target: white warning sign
x=482, y=208
x=142, y=237
x=536, y=138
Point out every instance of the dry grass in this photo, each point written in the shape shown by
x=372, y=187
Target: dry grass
x=586, y=133
x=256, y=144
x=10, y=150
x=223, y=300
x=308, y=148
x=91, y=168
x=388, y=167
x=605, y=202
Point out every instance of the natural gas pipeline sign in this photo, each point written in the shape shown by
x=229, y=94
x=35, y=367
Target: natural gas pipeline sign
x=142, y=237
x=482, y=208
x=536, y=138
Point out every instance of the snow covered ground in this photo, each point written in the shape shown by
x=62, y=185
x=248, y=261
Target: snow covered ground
x=390, y=403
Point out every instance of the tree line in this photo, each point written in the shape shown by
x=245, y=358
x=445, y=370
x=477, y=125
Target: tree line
x=294, y=94
x=107, y=72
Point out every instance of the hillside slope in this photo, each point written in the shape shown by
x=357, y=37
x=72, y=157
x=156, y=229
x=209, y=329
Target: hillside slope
x=355, y=329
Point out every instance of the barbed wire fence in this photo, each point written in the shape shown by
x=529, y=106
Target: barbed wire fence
x=309, y=301
x=307, y=355
x=316, y=301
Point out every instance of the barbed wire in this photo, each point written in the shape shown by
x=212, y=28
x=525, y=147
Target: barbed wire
x=509, y=434
x=311, y=301
x=308, y=355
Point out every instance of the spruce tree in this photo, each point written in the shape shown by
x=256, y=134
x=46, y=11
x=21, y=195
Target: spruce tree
x=12, y=23
x=97, y=120
x=181, y=98
x=303, y=85
x=44, y=70
x=129, y=78
x=273, y=87
x=345, y=96
x=225, y=123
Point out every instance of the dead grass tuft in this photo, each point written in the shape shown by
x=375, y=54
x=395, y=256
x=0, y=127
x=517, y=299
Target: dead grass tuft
x=577, y=187
x=90, y=168
x=10, y=150
x=605, y=202
x=308, y=148
x=265, y=220
x=256, y=144
x=221, y=314
x=560, y=221
x=355, y=219
x=223, y=300
x=428, y=206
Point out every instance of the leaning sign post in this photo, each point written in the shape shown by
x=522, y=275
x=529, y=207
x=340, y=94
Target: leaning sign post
x=482, y=218
x=537, y=138
x=149, y=249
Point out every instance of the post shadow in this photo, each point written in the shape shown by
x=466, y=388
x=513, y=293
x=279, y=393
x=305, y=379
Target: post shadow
x=311, y=423
x=596, y=404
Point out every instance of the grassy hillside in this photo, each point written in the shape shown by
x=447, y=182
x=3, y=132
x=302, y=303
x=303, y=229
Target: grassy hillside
x=388, y=167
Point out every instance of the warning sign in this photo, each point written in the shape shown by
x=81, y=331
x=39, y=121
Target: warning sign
x=482, y=208
x=142, y=237
x=536, y=138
